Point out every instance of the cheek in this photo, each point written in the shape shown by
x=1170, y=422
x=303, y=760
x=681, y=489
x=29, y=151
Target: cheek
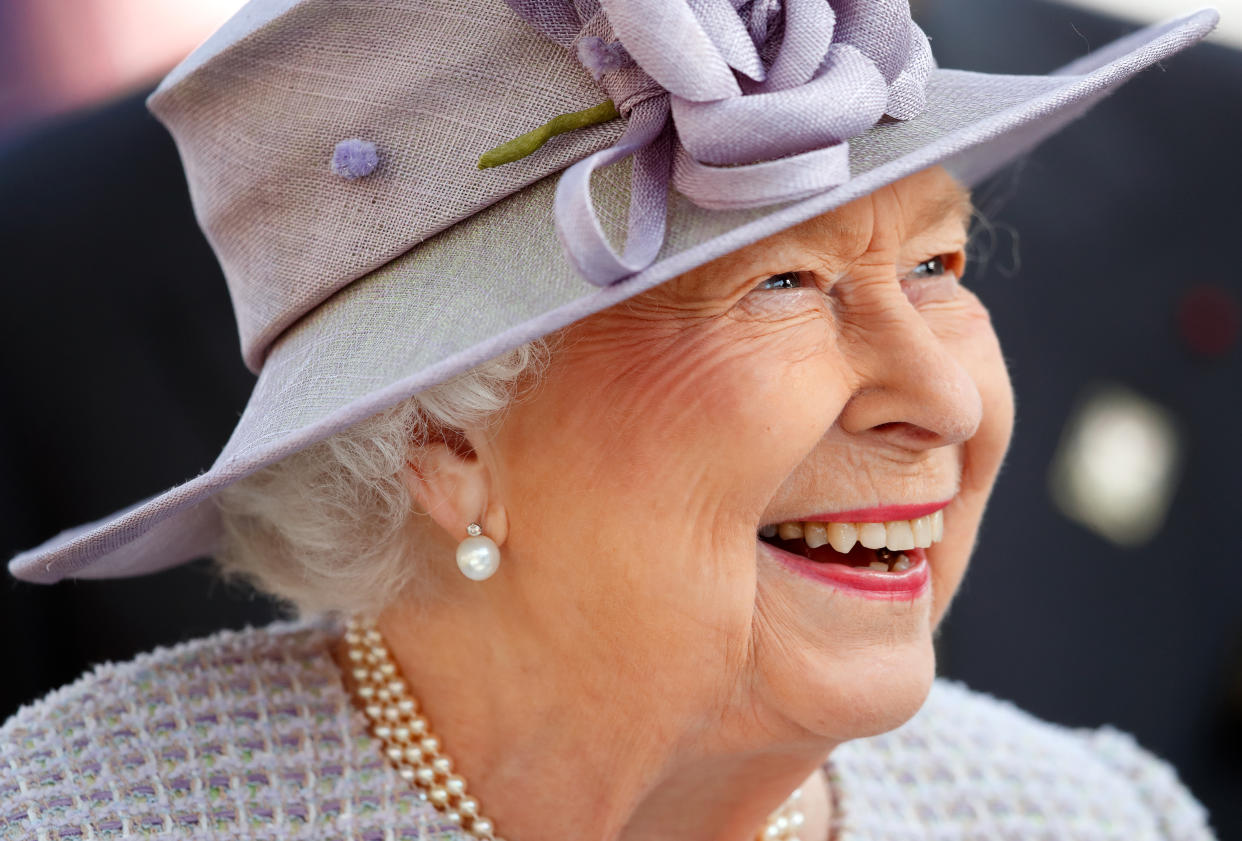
x=725, y=413
x=692, y=431
x=635, y=475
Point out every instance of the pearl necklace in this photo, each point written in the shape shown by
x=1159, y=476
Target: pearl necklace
x=415, y=751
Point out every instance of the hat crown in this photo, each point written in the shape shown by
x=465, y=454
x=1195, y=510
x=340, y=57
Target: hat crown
x=422, y=87
x=431, y=83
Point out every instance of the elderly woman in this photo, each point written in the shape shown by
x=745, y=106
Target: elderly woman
x=587, y=544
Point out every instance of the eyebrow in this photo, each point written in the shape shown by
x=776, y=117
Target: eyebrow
x=957, y=204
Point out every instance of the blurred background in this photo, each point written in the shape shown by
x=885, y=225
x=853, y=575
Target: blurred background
x=1100, y=591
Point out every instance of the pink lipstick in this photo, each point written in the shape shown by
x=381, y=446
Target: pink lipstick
x=883, y=514
x=860, y=581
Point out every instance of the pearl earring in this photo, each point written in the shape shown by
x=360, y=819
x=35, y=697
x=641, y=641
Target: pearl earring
x=478, y=556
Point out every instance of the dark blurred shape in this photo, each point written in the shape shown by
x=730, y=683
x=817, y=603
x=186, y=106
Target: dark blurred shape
x=1208, y=318
x=1114, y=222
x=122, y=377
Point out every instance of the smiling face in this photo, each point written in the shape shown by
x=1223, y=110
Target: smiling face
x=835, y=366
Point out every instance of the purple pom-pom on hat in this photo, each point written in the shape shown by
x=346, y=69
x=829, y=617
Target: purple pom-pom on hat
x=600, y=57
x=354, y=158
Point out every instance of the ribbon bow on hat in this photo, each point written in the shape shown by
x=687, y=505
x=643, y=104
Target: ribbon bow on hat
x=764, y=96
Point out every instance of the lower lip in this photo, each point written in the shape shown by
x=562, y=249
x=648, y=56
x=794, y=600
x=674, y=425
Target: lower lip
x=865, y=583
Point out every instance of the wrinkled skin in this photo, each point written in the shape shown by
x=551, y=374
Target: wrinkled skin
x=637, y=668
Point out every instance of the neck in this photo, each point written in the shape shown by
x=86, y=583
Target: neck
x=558, y=752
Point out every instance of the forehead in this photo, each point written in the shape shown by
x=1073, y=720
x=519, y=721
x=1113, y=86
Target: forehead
x=924, y=201
x=927, y=202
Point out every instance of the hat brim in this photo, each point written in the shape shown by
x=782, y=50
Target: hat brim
x=499, y=279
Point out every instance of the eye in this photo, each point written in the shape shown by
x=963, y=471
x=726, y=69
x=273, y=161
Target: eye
x=784, y=280
x=935, y=267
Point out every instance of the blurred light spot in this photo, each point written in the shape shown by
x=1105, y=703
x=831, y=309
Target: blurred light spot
x=61, y=54
x=1208, y=319
x=1117, y=465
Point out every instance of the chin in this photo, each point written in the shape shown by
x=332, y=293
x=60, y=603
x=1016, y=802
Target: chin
x=845, y=667
x=867, y=693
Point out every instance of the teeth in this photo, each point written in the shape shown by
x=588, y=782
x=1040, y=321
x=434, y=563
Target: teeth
x=878, y=566
x=922, y=531
x=842, y=536
x=815, y=534
x=901, y=564
x=789, y=531
x=897, y=535
x=872, y=535
x=900, y=535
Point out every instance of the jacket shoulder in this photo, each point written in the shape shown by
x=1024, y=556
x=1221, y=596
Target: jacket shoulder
x=969, y=765
x=173, y=739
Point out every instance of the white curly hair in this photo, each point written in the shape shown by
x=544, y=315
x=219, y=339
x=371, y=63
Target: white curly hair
x=328, y=530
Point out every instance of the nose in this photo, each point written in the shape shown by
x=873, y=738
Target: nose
x=912, y=392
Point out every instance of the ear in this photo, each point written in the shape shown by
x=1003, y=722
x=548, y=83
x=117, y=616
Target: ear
x=449, y=481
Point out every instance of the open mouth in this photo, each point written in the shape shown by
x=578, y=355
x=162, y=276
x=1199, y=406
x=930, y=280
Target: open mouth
x=891, y=550
x=889, y=547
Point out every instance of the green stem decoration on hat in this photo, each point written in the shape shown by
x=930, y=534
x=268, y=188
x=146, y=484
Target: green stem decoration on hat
x=521, y=146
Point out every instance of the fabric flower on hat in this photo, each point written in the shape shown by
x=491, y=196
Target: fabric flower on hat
x=762, y=96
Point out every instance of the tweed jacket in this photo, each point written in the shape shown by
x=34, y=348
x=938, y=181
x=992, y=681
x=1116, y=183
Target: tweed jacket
x=251, y=735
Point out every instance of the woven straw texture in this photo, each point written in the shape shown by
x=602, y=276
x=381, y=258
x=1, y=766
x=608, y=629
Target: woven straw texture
x=251, y=735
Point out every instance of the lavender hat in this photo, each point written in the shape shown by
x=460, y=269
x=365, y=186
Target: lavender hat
x=333, y=156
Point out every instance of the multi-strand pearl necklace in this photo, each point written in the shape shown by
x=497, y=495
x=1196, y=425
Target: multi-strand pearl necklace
x=415, y=751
